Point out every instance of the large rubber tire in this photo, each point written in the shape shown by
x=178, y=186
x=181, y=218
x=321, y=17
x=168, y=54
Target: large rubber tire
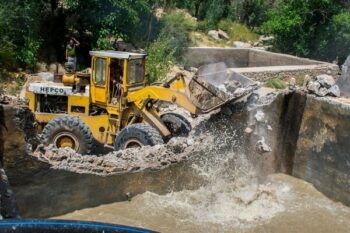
x=137, y=135
x=69, y=131
x=177, y=124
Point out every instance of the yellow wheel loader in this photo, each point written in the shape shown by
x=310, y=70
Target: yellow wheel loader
x=112, y=104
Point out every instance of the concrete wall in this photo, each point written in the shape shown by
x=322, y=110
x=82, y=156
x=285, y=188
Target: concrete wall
x=197, y=57
x=234, y=57
x=50, y=192
x=323, y=149
x=258, y=58
x=285, y=73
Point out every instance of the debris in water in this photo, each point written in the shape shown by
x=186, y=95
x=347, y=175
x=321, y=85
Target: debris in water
x=248, y=130
x=262, y=147
x=259, y=116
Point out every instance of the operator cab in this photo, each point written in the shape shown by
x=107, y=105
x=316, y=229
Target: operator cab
x=115, y=73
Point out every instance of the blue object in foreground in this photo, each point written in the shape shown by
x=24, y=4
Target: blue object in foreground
x=64, y=226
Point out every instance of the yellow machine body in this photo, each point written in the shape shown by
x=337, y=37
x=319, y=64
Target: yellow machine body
x=136, y=102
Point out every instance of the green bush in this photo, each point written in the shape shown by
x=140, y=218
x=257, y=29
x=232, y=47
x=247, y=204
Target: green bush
x=237, y=31
x=276, y=83
x=160, y=59
x=177, y=27
x=339, y=37
x=28, y=54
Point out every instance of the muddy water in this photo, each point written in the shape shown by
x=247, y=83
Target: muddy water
x=235, y=197
x=281, y=204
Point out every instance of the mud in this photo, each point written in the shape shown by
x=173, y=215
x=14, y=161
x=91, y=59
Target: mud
x=130, y=160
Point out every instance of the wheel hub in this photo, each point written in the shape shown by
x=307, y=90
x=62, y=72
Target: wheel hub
x=132, y=143
x=66, y=139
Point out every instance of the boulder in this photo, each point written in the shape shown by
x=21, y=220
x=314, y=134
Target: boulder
x=223, y=35
x=322, y=92
x=242, y=45
x=325, y=80
x=334, y=91
x=264, y=39
x=53, y=67
x=313, y=87
x=214, y=34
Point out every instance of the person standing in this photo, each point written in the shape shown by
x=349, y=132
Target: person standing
x=71, y=55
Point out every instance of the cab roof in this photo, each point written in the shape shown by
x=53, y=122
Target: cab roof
x=117, y=54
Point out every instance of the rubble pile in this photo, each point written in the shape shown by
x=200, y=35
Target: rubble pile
x=323, y=85
x=126, y=161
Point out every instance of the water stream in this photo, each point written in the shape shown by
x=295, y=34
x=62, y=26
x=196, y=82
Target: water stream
x=234, y=198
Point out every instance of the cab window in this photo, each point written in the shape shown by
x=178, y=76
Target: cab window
x=136, y=71
x=100, y=71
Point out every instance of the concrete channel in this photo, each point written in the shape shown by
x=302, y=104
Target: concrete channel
x=308, y=138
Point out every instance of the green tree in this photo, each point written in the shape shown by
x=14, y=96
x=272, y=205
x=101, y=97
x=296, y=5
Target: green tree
x=177, y=27
x=307, y=28
x=105, y=18
x=19, y=29
x=160, y=60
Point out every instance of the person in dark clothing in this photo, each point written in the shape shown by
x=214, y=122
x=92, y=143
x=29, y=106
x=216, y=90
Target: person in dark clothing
x=71, y=55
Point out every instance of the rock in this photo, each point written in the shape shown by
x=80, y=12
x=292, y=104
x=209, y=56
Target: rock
x=313, y=87
x=239, y=44
x=193, y=69
x=231, y=86
x=248, y=130
x=53, y=68
x=334, y=91
x=260, y=48
x=325, y=80
x=214, y=34
x=262, y=147
x=322, y=92
x=41, y=67
x=223, y=35
x=266, y=38
x=259, y=116
x=292, y=84
x=46, y=76
x=344, y=80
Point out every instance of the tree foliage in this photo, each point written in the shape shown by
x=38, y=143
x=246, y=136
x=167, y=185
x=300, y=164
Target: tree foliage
x=19, y=29
x=309, y=28
x=33, y=30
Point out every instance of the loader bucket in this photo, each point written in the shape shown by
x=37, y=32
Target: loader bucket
x=214, y=86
